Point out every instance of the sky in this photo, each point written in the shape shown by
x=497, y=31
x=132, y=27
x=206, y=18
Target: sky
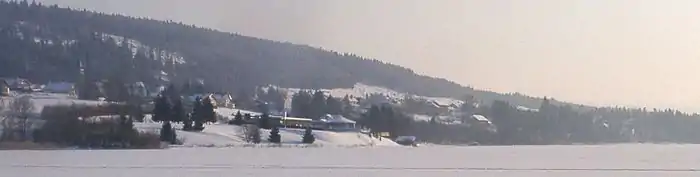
x=641, y=53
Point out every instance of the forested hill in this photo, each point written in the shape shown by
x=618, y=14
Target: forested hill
x=50, y=43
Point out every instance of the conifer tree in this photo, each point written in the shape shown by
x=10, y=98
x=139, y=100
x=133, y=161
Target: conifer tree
x=275, y=136
x=167, y=133
x=208, y=114
x=161, y=109
x=333, y=106
x=197, y=114
x=264, y=121
x=318, y=105
x=179, y=114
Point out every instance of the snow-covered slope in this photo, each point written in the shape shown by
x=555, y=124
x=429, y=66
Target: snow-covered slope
x=223, y=135
x=361, y=90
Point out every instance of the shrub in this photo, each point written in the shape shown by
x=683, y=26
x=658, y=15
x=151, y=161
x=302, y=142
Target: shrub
x=252, y=133
x=308, y=137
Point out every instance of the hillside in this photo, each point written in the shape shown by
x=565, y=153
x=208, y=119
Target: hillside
x=52, y=43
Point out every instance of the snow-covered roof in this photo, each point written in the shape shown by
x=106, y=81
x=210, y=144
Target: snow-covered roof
x=228, y=112
x=480, y=118
x=336, y=119
x=523, y=108
x=59, y=86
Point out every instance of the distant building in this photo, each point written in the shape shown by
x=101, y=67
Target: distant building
x=4, y=88
x=60, y=87
x=335, y=122
x=293, y=122
x=18, y=84
x=224, y=100
x=480, y=121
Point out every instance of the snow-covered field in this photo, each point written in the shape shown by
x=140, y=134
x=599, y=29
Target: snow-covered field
x=435, y=161
x=223, y=135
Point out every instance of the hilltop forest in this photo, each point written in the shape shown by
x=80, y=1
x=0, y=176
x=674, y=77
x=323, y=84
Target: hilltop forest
x=49, y=43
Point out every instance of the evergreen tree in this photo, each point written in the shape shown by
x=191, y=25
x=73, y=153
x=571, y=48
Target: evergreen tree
x=308, y=137
x=197, y=114
x=179, y=114
x=275, y=136
x=277, y=98
x=137, y=113
x=187, y=124
x=172, y=92
x=301, y=104
x=318, y=105
x=161, y=110
x=347, y=106
x=208, y=114
x=116, y=90
x=333, y=106
x=264, y=121
x=167, y=133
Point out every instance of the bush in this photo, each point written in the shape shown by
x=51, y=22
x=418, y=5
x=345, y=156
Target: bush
x=146, y=141
x=252, y=134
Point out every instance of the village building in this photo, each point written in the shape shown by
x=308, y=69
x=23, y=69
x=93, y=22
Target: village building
x=4, y=88
x=335, y=122
x=60, y=87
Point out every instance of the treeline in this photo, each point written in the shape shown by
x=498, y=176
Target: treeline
x=316, y=105
x=551, y=124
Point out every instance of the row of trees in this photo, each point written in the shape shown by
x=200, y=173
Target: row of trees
x=252, y=134
x=550, y=124
x=75, y=125
x=304, y=104
x=169, y=107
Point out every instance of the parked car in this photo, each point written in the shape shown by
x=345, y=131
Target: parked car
x=406, y=141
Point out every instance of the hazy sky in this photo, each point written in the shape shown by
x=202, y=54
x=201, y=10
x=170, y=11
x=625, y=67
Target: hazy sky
x=599, y=52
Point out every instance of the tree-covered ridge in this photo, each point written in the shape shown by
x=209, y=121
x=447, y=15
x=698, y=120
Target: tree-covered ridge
x=226, y=61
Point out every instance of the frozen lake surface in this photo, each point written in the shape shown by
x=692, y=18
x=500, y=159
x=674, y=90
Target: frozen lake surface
x=438, y=161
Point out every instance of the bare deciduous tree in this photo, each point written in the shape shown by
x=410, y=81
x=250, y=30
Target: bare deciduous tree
x=16, y=122
x=251, y=133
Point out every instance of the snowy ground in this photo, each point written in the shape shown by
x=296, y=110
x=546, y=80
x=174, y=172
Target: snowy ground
x=223, y=135
x=437, y=161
